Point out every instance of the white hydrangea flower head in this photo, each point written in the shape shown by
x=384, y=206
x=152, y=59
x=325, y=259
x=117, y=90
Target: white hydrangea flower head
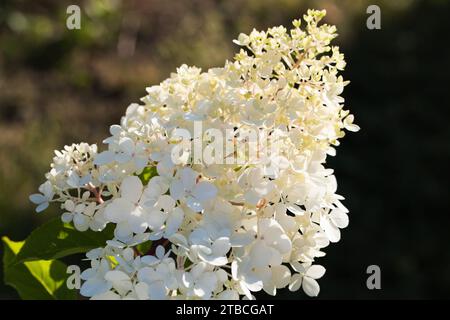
x=224, y=223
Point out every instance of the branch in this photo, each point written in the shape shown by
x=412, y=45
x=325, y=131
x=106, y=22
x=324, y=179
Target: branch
x=97, y=194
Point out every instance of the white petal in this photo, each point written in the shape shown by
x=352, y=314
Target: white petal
x=260, y=254
x=283, y=244
x=127, y=145
x=80, y=208
x=339, y=218
x=69, y=205
x=137, y=220
x=222, y=275
x=37, y=198
x=123, y=157
x=120, y=280
x=198, y=269
x=311, y=287
x=246, y=290
x=241, y=239
x=253, y=284
x=128, y=254
x=213, y=260
x=149, y=260
x=221, y=246
x=156, y=235
x=234, y=270
x=104, y=158
x=207, y=282
x=194, y=204
x=252, y=197
x=118, y=210
x=199, y=236
x=296, y=282
x=204, y=191
x=142, y=291
x=270, y=288
x=165, y=168
x=147, y=275
x=179, y=240
x=67, y=217
x=156, y=220
x=188, y=177
x=115, y=129
x=81, y=222
x=332, y=232
x=316, y=271
x=140, y=162
x=74, y=180
x=160, y=182
x=228, y=295
x=90, y=209
x=116, y=276
x=298, y=267
x=109, y=295
x=94, y=287
x=276, y=257
x=187, y=279
x=281, y=276
x=174, y=222
x=42, y=207
x=296, y=210
x=123, y=231
x=131, y=189
x=165, y=202
x=160, y=252
x=177, y=190
x=88, y=273
x=47, y=190
x=201, y=249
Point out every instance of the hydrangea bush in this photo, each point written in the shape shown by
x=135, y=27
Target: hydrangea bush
x=222, y=223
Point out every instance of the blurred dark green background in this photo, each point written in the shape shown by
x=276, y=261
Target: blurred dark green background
x=59, y=86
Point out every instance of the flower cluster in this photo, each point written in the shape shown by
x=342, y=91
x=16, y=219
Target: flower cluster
x=222, y=230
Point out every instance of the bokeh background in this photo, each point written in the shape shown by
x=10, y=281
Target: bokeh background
x=59, y=86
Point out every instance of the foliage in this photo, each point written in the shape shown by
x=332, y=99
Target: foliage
x=36, y=280
x=55, y=240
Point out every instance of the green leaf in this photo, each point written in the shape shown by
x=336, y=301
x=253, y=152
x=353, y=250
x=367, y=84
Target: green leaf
x=56, y=239
x=37, y=280
x=144, y=247
x=147, y=174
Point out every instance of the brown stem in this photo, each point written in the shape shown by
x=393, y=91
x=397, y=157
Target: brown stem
x=299, y=60
x=261, y=204
x=97, y=194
